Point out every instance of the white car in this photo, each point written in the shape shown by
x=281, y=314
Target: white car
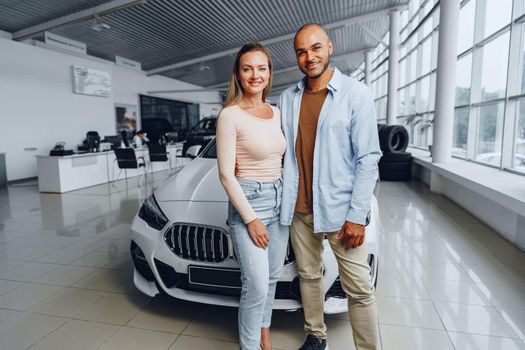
x=181, y=244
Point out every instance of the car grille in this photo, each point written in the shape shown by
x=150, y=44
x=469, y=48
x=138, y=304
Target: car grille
x=198, y=242
x=205, y=243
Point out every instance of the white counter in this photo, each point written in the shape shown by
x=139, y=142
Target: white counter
x=69, y=173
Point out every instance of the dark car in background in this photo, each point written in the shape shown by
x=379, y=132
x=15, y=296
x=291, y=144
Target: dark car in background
x=201, y=133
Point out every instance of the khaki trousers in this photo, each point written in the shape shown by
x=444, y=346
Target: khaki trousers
x=354, y=273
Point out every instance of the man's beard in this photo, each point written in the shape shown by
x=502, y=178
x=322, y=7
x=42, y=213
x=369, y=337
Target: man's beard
x=325, y=67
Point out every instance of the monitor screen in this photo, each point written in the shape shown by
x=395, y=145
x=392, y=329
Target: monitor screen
x=115, y=140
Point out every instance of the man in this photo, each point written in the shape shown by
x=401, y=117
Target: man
x=330, y=170
x=140, y=139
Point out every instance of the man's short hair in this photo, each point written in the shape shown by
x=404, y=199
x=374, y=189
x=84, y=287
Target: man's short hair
x=313, y=24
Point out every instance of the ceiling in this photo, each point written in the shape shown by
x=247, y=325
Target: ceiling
x=196, y=40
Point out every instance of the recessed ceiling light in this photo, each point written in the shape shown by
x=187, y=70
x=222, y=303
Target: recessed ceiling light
x=99, y=26
x=203, y=67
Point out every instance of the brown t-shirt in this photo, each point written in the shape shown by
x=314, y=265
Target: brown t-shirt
x=311, y=104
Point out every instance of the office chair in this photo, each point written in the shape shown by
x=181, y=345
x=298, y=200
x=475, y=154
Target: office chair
x=93, y=141
x=158, y=153
x=126, y=159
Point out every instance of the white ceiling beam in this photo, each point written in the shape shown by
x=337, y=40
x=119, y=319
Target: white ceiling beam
x=294, y=67
x=289, y=36
x=77, y=17
x=372, y=35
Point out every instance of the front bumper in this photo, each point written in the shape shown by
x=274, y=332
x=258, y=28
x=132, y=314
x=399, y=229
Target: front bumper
x=158, y=269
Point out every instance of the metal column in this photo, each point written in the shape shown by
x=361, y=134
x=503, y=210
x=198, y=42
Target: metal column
x=445, y=81
x=368, y=67
x=393, y=68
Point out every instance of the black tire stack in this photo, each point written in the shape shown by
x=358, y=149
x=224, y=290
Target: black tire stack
x=396, y=164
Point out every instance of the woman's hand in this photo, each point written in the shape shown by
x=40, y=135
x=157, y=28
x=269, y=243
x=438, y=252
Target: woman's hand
x=258, y=233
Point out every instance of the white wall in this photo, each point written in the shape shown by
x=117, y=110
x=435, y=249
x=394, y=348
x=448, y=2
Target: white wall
x=38, y=107
x=5, y=35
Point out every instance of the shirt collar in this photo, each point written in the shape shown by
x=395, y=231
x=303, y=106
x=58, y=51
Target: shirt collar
x=333, y=85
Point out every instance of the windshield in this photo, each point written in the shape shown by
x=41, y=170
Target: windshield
x=210, y=151
x=205, y=124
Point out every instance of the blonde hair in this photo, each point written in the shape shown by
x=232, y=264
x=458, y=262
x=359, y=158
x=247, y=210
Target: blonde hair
x=235, y=93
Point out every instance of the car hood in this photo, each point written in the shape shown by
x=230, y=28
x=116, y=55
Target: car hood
x=197, y=181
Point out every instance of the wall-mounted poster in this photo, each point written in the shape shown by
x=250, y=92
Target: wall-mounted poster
x=89, y=81
x=126, y=121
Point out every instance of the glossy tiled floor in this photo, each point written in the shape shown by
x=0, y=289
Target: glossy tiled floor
x=446, y=281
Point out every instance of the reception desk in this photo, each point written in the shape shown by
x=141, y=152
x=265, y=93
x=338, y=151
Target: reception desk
x=69, y=173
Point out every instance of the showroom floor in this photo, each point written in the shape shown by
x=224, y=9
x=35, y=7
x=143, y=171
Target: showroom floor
x=446, y=281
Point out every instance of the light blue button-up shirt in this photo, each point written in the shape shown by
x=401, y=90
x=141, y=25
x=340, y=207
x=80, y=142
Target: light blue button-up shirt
x=346, y=154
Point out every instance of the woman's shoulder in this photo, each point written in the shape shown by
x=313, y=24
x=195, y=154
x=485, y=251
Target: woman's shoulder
x=228, y=117
x=276, y=111
x=229, y=112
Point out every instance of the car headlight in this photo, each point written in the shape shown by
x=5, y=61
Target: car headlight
x=150, y=212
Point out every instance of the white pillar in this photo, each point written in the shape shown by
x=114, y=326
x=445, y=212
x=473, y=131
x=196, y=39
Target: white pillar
x=368, y=67
x=445, y=81
x=393, y=68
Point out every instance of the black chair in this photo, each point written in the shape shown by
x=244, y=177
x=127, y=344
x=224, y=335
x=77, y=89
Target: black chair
x=158, y=153
x=126, y=159
x=93, y=141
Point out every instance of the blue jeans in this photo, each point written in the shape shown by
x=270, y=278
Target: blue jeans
x=260, y=268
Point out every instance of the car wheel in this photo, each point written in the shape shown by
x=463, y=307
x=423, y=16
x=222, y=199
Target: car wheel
x=393, y=139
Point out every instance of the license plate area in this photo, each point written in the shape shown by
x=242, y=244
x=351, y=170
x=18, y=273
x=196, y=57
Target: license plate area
x=214, y=277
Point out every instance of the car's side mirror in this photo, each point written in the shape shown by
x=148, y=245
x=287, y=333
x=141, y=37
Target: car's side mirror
x=193, y=151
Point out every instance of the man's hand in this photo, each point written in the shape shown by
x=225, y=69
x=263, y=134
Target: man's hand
x=351, y=235
x=258, y=233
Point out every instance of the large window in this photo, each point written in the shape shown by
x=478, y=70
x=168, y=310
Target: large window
x=403, y=72
x=489, y=116
x=490, y=133
x=522, y=60
x=381, y=109
x=413, y=66
x=426, y=50
x=518, y=161
x=497, y=15
x=459, y=145
x=466, y=26
x=402, y=95
x=411, y=100
x=494, y=68
x=463, y=73
x=423, y=94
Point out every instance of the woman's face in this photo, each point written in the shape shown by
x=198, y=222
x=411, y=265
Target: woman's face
x=254, y=72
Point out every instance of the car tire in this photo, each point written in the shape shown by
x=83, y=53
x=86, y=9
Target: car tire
x=394, y=176
x=395, y=167
x=393, y=139
x=401, y=157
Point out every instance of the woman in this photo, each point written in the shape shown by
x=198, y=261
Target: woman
x=249, y=135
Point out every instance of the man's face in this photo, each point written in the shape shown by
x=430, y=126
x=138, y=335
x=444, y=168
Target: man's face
x=312, y=50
